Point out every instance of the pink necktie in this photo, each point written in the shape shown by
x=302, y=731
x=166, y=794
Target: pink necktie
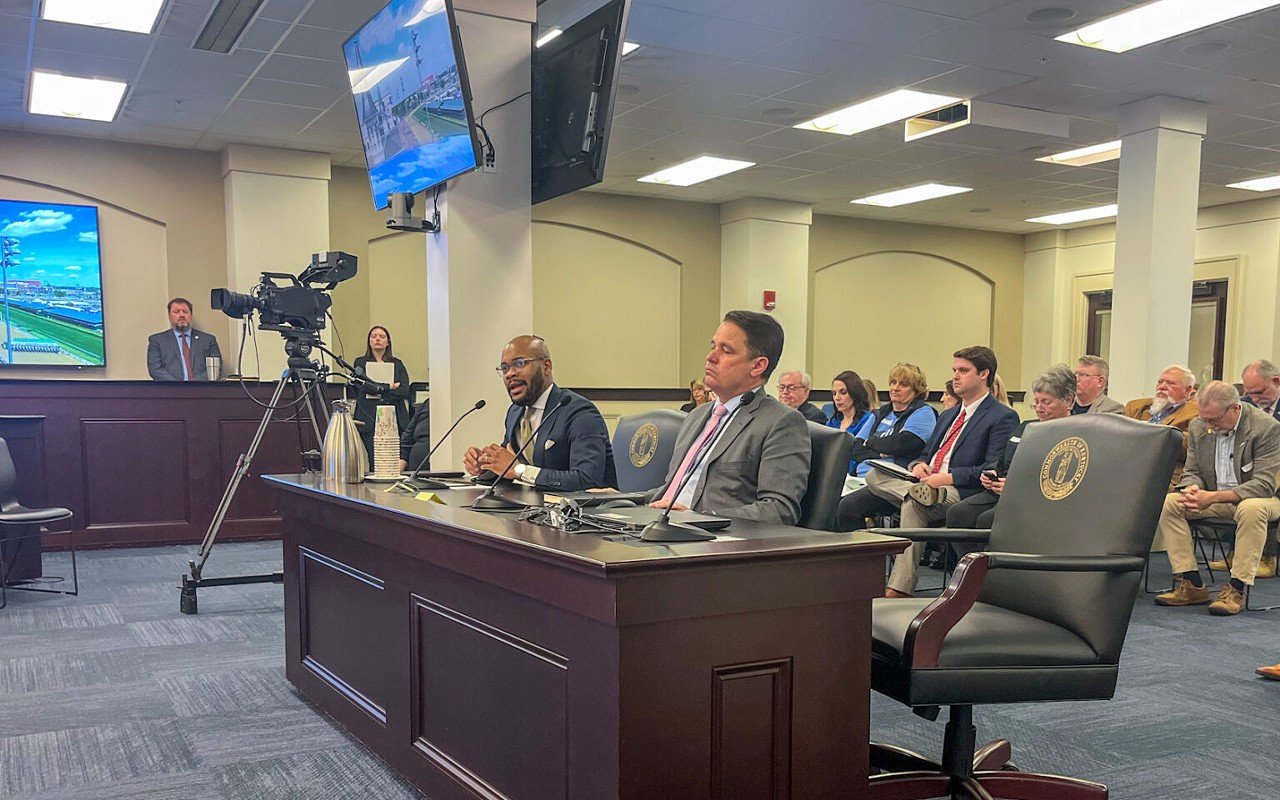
x=708, y=431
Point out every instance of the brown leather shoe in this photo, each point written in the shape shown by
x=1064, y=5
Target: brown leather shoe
x=1223, y=564
x=1266, y=567
x=1185, y=594
x=1229, y=601
x=924, y=494
x=1270, y=673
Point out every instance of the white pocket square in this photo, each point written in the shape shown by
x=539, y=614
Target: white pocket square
x=548, y=444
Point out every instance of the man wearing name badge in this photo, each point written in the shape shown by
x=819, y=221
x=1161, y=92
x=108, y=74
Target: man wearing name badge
x=571, y=451
x=178, y=354
x=746, y=455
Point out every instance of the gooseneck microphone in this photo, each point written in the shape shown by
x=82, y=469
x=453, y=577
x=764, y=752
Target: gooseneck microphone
x=412, y=481
x=490, y=501
x=663, y=529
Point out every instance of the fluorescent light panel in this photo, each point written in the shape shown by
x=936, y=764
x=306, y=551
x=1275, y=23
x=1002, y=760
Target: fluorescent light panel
x=1159, y=20
x=1083, y=156
x=880, y=110
x=1267, y=184
x=548, y=36
x=76, y=98
x=696, y=170
x=912, y=194
x=1068, y=217
x=138, y=16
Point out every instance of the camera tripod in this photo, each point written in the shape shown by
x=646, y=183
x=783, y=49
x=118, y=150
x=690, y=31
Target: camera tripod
x=305, y=376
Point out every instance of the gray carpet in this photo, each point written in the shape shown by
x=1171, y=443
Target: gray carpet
x=115, y=695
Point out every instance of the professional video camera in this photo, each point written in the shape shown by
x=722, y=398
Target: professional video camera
x=296, y=308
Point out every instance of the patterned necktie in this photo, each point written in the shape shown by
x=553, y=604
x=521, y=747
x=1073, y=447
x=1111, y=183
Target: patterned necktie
x=186, y=357
x=524, y=432
x=946, y=443
x=708, y=430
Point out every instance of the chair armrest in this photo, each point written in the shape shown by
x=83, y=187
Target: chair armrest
x=1022, y=561
x=936, y=534
x=924, y=637
x=30, y=516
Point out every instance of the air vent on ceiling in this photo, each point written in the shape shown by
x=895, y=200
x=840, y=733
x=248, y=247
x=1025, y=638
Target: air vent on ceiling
x=226, y=25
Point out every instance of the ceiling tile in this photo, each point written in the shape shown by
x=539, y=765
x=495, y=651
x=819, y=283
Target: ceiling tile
x=263, y=34
x=311, y=71
x=304, y=40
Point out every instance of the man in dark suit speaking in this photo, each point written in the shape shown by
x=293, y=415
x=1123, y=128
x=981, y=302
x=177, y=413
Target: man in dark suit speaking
x=748, y=453
x=571, y=451
x=178, y=354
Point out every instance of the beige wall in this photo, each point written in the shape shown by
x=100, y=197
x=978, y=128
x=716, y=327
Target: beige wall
x=886, y=292
x=161, y=227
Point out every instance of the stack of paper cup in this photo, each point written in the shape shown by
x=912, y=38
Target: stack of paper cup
x=386, y=444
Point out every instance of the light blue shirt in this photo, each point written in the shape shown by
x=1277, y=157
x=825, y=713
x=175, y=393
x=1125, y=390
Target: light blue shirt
x=685, y=498
x=190, y=342
x=1224, y=456
x=920, y=423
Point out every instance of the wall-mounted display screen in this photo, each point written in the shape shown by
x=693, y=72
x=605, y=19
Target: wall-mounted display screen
x=410, y=88
x=51, y=297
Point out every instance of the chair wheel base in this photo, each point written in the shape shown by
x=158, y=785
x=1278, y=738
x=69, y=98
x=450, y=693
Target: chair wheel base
x=901, y=774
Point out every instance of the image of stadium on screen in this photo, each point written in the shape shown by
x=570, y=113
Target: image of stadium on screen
x=51, y=300
x=411, y=102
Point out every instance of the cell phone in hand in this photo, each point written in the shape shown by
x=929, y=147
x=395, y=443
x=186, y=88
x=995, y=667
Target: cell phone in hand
x=991, y=475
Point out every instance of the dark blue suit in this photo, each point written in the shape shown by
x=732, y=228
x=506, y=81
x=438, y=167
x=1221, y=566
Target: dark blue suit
x=579, y=455
x=980, y=445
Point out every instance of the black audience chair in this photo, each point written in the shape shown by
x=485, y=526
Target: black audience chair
x=830, y=450
x=642, y=448
x=1218, y=533
x=1040, y=615
x=19, y=525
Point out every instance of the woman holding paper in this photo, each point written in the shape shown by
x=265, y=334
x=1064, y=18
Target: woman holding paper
x=381, y=366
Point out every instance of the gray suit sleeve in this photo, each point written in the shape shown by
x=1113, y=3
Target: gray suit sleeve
x=783, y=475
x=155, y=364
x=1266, y=462
x=1191, y=469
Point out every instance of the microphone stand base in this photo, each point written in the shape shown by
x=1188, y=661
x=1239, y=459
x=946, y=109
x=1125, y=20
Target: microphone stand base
x=664, y=530
x=492, y=502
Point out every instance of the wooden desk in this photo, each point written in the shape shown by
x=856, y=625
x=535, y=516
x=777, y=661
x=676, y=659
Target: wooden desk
x=483, y=657
x=145, y=463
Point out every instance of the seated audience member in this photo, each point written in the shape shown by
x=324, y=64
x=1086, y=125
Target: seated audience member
x=1174, y=404
x=697, y=396
x=997, y=389
x=179, y=353
x=1261, y=381
x=1092, y=375
x=898, y=429
x=415, y=442
x=572, y=450
x=1232, y=458
x=852, y=407
x=793, y=391
x=949, y=397
x=1270, y=673
x=873, y=394
x=1053, y=394
x=747, y=455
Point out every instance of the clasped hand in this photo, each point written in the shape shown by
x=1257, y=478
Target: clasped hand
x=495, y=458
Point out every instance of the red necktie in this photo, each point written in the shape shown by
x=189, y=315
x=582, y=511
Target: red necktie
x=713, y=422
x=186, y=357
x=946, y=443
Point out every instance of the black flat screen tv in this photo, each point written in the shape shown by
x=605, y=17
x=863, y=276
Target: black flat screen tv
x=574, y=82
x=409, y=83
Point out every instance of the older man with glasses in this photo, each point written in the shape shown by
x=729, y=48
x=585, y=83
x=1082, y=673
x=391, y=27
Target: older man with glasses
x=793, y=391
x=571, y=451
x=1092, y=374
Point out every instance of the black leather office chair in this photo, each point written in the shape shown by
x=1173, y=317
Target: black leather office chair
x=831, y=450
x=1040, y=615
x=19, y=524
x=642, y=448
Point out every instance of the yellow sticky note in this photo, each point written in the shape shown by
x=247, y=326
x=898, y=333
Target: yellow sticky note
x=430, y=497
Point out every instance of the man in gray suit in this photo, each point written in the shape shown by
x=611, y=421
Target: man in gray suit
x=1092, y=375
x=757, y=451
x=178, y=354
x=1233, y=454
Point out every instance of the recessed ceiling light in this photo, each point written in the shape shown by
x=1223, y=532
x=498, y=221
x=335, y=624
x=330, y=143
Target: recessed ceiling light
x=547, y=37
x=77, y=98
x=876, y=111
x=628, y=48
x=1047, y=16
x=696, y=170
x=1082, y=156
x=138, y=16
x=1068, y=217
x=912, y=194
x=1159, y=20
x=1267, y=184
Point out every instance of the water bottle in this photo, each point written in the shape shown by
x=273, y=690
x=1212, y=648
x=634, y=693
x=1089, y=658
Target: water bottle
x=345, y=458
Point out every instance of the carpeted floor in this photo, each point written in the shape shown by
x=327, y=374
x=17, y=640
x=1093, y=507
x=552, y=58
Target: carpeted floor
x=115, y=695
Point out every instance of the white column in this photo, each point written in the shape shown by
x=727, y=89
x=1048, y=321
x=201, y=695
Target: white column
x=1046, y=326
x=480, y=267
x=277, y=205
x=764, y=246
x=1155, y=240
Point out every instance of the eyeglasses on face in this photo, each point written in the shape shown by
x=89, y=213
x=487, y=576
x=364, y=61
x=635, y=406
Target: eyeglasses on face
x=517, y=364
x=788, y=388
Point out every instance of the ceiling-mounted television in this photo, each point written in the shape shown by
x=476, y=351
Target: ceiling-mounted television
x=574, y=81
x=413, y=104
x=51, y=295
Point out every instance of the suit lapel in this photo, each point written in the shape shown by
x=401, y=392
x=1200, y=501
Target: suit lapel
x=971, y=423
x=736, y=426
x=540, y=438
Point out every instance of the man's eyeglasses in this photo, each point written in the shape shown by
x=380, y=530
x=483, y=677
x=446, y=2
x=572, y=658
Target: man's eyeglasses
x=517, y=364
x=1212, y=424
x=788, y=388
